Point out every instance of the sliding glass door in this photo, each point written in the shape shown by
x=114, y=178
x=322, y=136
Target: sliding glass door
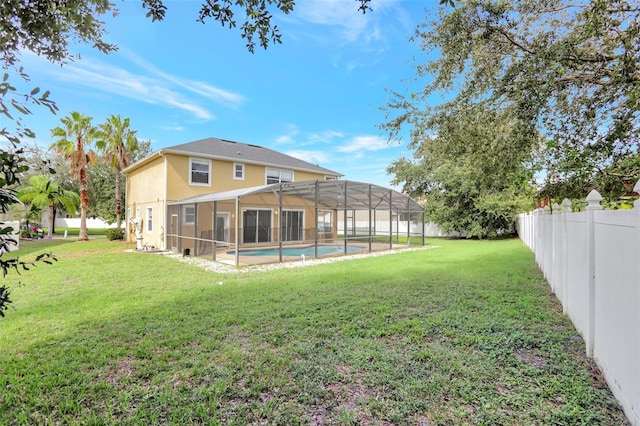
x=292, y=224
x=256, y=226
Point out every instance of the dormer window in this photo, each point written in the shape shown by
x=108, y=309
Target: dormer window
x=199, y=172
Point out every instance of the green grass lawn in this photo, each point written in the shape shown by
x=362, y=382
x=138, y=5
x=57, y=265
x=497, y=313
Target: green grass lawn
x=467, y=333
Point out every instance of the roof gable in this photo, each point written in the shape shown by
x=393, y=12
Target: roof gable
x=245, y=153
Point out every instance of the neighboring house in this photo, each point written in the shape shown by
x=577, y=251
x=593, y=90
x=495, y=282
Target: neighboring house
x=202, y=167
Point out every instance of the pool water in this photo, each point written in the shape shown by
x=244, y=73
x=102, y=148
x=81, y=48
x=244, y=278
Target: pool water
x=298, y=251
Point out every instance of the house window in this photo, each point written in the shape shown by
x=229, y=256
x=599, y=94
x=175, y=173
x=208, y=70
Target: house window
x=330, y=178
x=149, y=219
x=189, y=215
x=279, y=176
x=238, y=171
x=199, y=172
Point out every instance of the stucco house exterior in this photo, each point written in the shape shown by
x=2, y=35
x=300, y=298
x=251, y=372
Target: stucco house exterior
x=202, y=167
x=215, y=196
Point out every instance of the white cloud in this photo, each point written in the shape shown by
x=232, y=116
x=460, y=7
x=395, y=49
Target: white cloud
x=351, y=24
x=173, y=128
x=106, y=78
x=293, y=136
x=327, y=136
x=335, y=13
x=314, y=157
x=359, y=144
x=356, y=39
x=206, y=90
x=289, y=137
x=151, y=86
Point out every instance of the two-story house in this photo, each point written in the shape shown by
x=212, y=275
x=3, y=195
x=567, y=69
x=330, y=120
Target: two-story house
x=199, y=196
x=202, y=167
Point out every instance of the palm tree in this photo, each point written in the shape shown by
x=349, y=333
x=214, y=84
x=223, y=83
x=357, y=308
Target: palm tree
x=74, y=137
x=42, y=193
x=118, y=144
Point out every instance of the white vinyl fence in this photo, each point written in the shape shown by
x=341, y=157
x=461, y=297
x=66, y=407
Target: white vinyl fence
x=591, y=260
x=15, y=233
x=75, y=223
x=381, y=227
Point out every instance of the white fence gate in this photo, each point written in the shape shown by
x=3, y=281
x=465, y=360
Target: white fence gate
x=591, y=260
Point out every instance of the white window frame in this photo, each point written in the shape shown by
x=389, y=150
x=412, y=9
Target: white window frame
x=279, y=173
x=235, y=170
x=149, y=219
x=200, y=161
x=186, y=215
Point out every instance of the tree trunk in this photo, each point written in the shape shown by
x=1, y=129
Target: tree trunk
x=84, y=206
x=52, y=220
x=118, y=199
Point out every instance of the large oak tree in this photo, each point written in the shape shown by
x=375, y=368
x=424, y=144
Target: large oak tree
x=564, y=71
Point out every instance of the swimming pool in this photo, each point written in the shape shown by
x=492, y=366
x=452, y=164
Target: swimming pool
x=298, y=251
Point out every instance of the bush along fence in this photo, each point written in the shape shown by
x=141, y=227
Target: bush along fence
x=591, y=260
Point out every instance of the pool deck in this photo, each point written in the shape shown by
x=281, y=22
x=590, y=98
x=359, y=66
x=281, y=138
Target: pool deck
x=229, y=259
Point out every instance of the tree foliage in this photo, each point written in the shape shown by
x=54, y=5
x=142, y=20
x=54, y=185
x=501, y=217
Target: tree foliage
x=43, y=193
x=118, y=145
x=101, y=185
x=466, y=185
x=567, y=72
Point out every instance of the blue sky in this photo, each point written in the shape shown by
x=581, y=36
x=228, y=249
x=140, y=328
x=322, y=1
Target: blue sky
x=317, y=96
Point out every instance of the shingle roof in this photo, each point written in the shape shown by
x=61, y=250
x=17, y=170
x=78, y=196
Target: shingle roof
x=246, y=153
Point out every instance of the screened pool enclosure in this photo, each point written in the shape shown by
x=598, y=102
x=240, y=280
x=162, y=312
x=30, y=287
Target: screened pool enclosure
x=294, y=221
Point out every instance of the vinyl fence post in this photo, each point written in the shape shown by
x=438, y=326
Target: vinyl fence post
x=566, y=209
x=593, y=204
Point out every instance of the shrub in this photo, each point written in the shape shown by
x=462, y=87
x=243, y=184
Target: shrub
x=114, y=234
